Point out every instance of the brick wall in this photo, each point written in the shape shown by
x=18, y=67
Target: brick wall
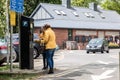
x=61, y=36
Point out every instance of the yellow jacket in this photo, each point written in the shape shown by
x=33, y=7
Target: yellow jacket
x=49, y=39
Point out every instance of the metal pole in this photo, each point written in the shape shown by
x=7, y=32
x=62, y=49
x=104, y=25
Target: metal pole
x=19, y=38
x=119, y=54
x=9, y=38
x=119, y=64
x=7, y=31
x=11, y=49
x=119, y=39
x=19, y=21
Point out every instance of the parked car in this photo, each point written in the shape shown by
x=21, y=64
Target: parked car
x=3, y=51
x=36, y=46
x=97, y=45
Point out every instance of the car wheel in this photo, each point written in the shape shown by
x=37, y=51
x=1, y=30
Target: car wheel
x=3, y=60
x=93, y=52
x=107, y=51
x=35, y=53
x=14, y=57
x=102, y=51
x=87, y=52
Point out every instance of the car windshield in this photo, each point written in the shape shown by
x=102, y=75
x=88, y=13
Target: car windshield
x=36, y=36
x=96, y=41
x=2, y=41
x=15, y=37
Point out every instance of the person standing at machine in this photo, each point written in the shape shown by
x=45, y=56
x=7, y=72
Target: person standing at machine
x=49, y=39
x=42, y=46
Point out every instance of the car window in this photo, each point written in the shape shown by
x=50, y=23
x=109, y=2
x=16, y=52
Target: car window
x=96, y=41
x=2, y=41
x=36, y=36
x=15, y=38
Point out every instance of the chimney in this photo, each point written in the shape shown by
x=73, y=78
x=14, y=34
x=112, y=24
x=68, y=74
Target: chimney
x=66, y=3
x=93, y=6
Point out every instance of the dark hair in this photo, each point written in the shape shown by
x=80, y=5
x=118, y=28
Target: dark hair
x=40, y=31
x=46, y=26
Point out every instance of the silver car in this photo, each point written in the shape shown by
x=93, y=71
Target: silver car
x=3, y=51
x=97, y=45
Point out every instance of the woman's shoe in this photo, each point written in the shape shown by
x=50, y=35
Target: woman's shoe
x=44, y=68
x=51, y=71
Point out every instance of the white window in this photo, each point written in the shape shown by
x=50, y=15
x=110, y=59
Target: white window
x=91, y=15
x=64, y=14
x=75, y=13
x=102, y=16
x=87, y=14
x=58, y=12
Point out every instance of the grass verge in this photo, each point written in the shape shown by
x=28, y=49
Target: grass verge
x=15, y=76
x=18, y=77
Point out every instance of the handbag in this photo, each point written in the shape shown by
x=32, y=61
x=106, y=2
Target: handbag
x=42, y=47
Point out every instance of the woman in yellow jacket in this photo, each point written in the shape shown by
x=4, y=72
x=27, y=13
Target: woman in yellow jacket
x=49, y=39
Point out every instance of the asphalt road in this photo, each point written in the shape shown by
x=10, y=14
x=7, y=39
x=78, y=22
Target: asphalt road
x=78, y=65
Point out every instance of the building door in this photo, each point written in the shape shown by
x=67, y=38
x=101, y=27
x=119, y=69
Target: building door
x=70, y=34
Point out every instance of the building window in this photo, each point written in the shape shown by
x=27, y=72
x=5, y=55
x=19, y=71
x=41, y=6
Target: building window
x=77, y=39
x=91, y=15
x=58, y=12
x=87, y=14
x=101, y=15
x=83, y=39
x=89, y=38
x=75, y=13
x=70, y=34
x=111, y=39
x=63, y=13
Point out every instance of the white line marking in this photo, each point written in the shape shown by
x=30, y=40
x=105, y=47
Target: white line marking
x=102, y=62
x=104, y=75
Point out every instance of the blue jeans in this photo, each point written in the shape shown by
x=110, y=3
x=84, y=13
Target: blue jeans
x=45, y=64
x=49, y=56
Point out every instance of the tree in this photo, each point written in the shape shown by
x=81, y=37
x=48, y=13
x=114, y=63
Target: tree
x=111, y=5
x=2, y=17
x=29, y=6
x=105, y=4
x=82, y=3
